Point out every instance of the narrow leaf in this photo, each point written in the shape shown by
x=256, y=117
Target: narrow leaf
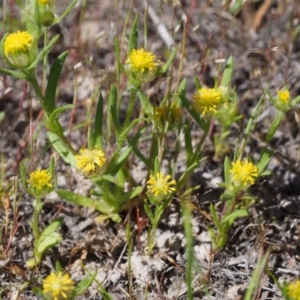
x=228, y=71
x=42, y=54
x=133, y=38
x=166, y=66
x=113, y=109
x=227, y=168
x=97, y=138
x=54, y=74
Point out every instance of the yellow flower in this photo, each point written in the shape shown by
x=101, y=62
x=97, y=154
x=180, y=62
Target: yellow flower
x=90, y=160
x=40, y=180
x=58, y=286
x=141, y=61
x=163, y=112
x=17, y=47
x=293, y=290
x=43, y=1
x=207, y=100
x=283, y=96
x=244, y=173
x=160, y=185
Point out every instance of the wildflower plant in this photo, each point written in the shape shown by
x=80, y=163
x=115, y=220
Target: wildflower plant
x=60, y=286
x=282, y=103
x=39, y=184
x=115, y=189
x=160, y=189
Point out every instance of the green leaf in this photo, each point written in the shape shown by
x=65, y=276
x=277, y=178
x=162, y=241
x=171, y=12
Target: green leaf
x=148, y=211
x=137, y=191
x=125, y=132
x=54, y=74
x=188, y=143
x=189, y=107
x=197, y=83
x=48, y=242
x=228, y=71
x=264, y=160
x=227, y=168
x=84, y=284
x=97, y=136
x=49, y=237
x=274, y=126
x=113, y=109
x=166, y=66
x=53, y=123
x=296, y=100
x=147, y=107
x=62, y=149
x=227, y=196
x=120, y=157
x=156, y=166
x=43, y=53
x=133, y=38
x=229, y=219
x=97, y=204
x=215, y=216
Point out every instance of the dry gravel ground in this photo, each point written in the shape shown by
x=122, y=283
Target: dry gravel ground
x=264, y=41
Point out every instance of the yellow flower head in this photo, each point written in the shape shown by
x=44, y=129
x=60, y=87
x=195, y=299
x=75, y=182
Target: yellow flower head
x=283, y=96
x=43, y=1
x=207, y=100
x=58, y=286
x=244, y=173
x=160, y=185
x=140, y=61
x=40, y=180
x=90, y=161
x=293, y=290
x=162, y=112
x=17, y=47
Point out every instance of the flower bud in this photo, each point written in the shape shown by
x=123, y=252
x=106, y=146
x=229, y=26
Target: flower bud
x=47, y=8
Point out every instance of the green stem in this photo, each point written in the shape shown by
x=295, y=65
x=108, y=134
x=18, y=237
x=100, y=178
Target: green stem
x=32, y=80
x=187, y=215
x=130, y=108
x=36, y=213
x=45, y=62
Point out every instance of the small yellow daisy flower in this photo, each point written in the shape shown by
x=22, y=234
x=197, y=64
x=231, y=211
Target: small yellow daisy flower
x=140, y=61
x=40, y=180
x=293, y=290
x=17, y=47
x=284, y=96
x=207, y=100
x=17, y=41
x=160, y=185
x=58, y=286
x=244, y=173
x=90, y=160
